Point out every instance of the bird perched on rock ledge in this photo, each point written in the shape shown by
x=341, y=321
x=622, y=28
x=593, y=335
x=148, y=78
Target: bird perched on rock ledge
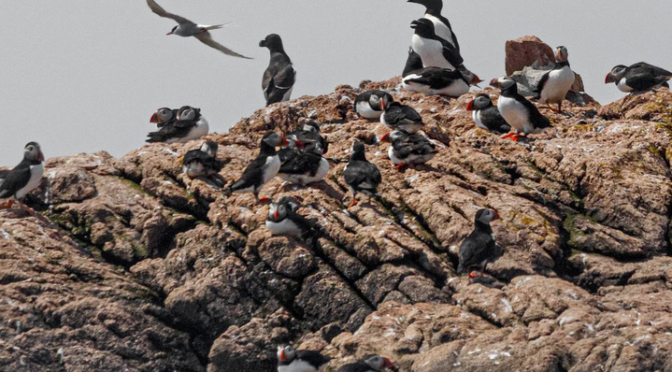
x=292, y=360
x=638, y=77
x=521, y=114
x=280, y=76
x=360, y=175
x=25, y=177
x=370, y=363
x=479, y=246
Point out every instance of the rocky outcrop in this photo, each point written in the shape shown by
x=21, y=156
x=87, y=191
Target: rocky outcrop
x=128, y=264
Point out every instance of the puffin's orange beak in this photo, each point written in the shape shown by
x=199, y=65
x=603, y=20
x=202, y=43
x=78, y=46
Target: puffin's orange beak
x=282, y=352
x=301, y=145
x=388, y=363
x=154, y=119
x=382, y=104
x=40, y=156
x=497, y=215
x=495, y=83
x=385, y=137
x=275, y=217
x=285, y=142
x=470, y=106
x=610, y=78
x=475, y=80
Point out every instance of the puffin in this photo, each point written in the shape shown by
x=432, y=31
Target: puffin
x=262, y=169
x=370, y=363
x=279, y=77
x=188, y=125
x=283, y=220
x=163, y=116
x=187, y=28
x=638, y=77
x=401, y=117
x=434, y=51
x=202, y=162
x=408, y=149
x=479, y=246
x=310, y=138
x=521, y=114
x=440, y=81
x=360, y=175
x=302, y=166
x=555, y=84
x=441, y=24
x=486, y=115
x=370, y=105
x=25, y=177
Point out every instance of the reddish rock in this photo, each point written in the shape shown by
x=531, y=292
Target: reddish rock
x=527, y=51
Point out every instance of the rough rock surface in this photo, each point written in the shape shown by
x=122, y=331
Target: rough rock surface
x=129, y=265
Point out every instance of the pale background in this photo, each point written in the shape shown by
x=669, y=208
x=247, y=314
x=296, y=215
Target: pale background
x=86, y=75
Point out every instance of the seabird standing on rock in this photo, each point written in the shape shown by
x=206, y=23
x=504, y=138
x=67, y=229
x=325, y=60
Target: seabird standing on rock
x=262, y=169
x=440, y=81
x=555, y=84
x=303, y=166
x=187, y=28
x=638, y=77
x=370, y=363
x=163, y=116
x=279, y=77
x=189, y=125
x=283, y=220
x=479, y=246
x=434, y=51
x=25, y=177
x=370, y=105
x=360, y=175
x=442, y=26
x=486, y=115
x=401, y=117
x=413, y=62
x=409, y=149
x=202, y=162
x=521, y=114
x=309, y=136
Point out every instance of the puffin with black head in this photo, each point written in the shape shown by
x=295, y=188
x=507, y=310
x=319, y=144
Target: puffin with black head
x=442, y=26
x=310, y=139
x=402, y=117
x=360, y=175
x=203, y=162
x=440, y=81
x=163, y=116
x=189, y=125
x=262, y=169
x=284, y=220
x=25, y=177
x=521, y=114
x=638, y=77
x=301, y=164
x=370, y=363
x=409, y=149
x=479, y=247
x=433, y=50
x=370, y=105
x=486, y=115
x=556, y=83
x=280, y=76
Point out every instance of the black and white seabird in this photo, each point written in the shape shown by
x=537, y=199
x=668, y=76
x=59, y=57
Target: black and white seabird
x=302, y=165
x=486, y=115
x=442, y=26
x=555, y=84
x=409, y=149
x=434, y=51
x=189, y=125
x=370, y=105
x=638, y=77
x=413, y=62
x=479, y=246
x=370, y=363
x=310, y=138
x=202, y=162
x=440, y=81
x=360, y=175
x=187, y=28
x=279, y=76
x=25, y=177
x=401, y=117
x=163, y=116
x=521, y=114
x=283, y=220
x=262, y=169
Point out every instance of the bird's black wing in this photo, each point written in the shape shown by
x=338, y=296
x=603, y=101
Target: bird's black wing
x=252, y=175
x=413, y=63
x=475, y=249
x=282, y=77
x=493, y=119
x=357, y=173
x=170, y=130
x=542, y=84
x=4, y=173
x=302, y=163
x=213, y=164
x=14, y=180
x=400, y=114
x=355, y=367
x=434, y=77
x=452, y=54
x=313, y=357
x=194, y=155
x=536, y=118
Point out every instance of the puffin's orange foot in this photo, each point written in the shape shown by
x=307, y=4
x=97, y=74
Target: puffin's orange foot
x=353, y=203
x=7, y=205
x=473, y=275
x=515, y=137
x=508, y=135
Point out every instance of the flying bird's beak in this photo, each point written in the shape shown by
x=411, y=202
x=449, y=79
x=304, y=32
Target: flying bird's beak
x=470, y=106
x=388, y=363
x=170, y=33
x=610, y=78
x=495, y=83
x=154, y=119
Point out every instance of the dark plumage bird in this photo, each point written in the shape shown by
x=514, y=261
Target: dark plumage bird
x=401, y=117
x=25, y=177
x=360, y=175
x=440, y=81
x=284, y=220
x=413, y=62
x=556, y=83
x=409, y=149
x=203, y=162
x=188, y=125
x=442, y=26
x=262, y=169
x=370, y=363
x=486, y=115
x=638, y=77
x=301, y=164
x=479, y=246
x=310, y=139
x=434, y=51
x=163, y=116
x=521, y=114
x=279, y=76
x=370, y=105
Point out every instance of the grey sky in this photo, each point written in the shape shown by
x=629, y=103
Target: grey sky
x=86, y=75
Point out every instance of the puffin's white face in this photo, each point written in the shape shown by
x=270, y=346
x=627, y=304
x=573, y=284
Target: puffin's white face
x=487, y=216
x=32, y=151
x=206, y=149
x=377, y=363
x=278, y=212
x=618, y=72
x=286, y=354
x=561, y=54
x=164, y=115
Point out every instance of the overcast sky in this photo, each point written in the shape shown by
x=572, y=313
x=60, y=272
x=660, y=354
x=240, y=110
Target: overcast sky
x=86, y=75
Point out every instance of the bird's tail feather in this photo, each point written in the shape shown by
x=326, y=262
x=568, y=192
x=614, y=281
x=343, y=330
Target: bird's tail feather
x=215, y=27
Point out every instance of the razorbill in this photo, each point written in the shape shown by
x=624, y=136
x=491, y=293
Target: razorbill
x=433, y=50
x=279, y=77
